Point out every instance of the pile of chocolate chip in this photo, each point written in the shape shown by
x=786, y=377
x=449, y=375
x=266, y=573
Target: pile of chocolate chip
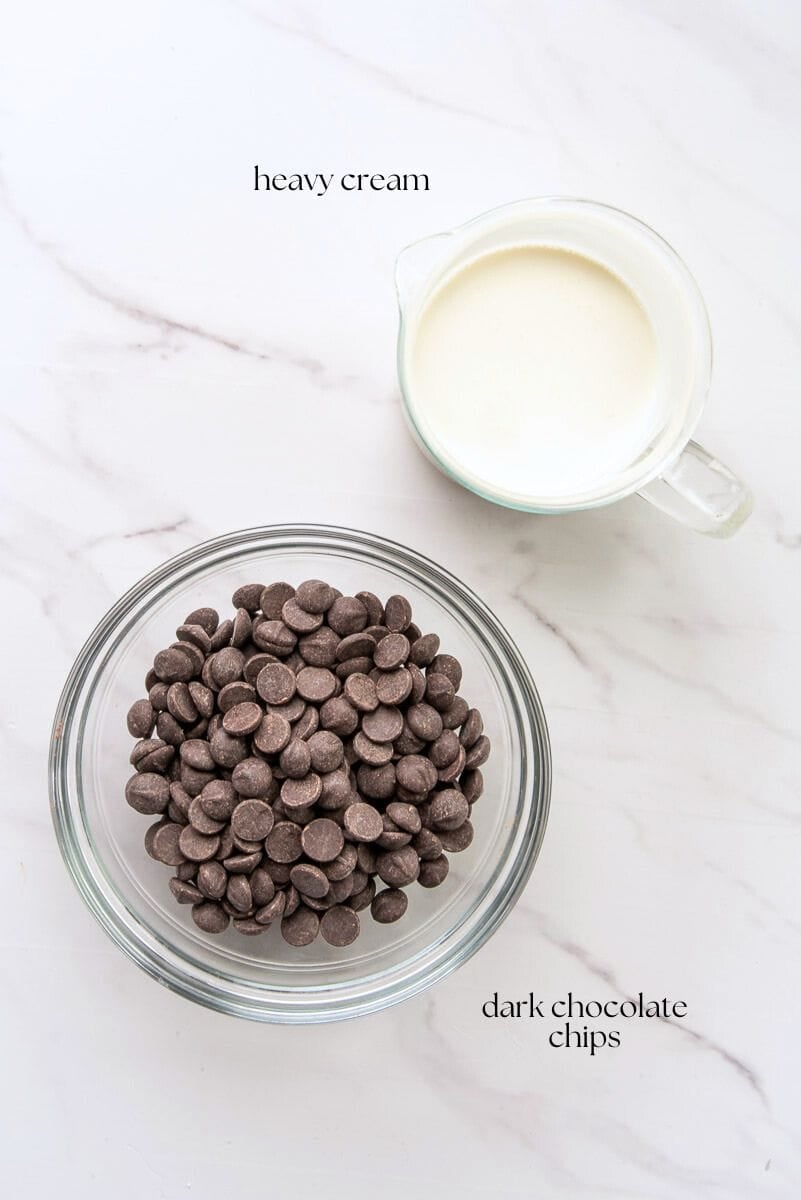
x=298, y=752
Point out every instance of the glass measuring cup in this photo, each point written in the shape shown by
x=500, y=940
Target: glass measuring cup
x=672, y=472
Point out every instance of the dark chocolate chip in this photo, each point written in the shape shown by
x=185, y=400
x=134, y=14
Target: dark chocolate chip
x=201, y=821
x=273, y=599
x=276, y=683
x=424, y=721
x=360, y=691
x=391, y=652
x=242, y=719
x=416, y=773
x=173, y=665
x=339, y=715
x=210, y=917
x=478, y=753
x=388, y=906
x=319, y=649
x=326, y=751
x=301, y=793
x=252, y=820
x=384, y=724
x=207, y=618
x=273, y=734
x=316, y=684
x=148, y=793
x=322, y=840
x=347, y=615
x=433, y=872
x=252, y=778
x=472, y=784
x=378, y=783
x=295, y=760
x=339, y=926
x=184, y=892
x=424, y=649
x=456, y=840
x=283, y=843
x=375, y=754
x=397, y=868
x=300, y=929
x=449, y=809
x=315, y=596
x=298, y=619
x=141, y=718
x=363, y=822
x=472, y=729
x=397, y=614
x=212, y=880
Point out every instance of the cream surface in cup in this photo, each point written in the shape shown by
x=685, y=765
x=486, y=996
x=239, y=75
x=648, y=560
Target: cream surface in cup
x=535, y=371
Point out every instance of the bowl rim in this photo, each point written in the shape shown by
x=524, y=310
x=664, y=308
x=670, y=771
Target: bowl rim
x=153, y=954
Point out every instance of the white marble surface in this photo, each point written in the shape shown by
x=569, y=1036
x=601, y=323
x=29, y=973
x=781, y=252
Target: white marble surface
x=147, y=288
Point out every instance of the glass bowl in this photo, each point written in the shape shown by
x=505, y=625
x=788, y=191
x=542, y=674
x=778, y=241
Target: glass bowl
x=263, y=978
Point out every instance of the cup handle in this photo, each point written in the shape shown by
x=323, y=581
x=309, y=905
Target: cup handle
x=699, y=491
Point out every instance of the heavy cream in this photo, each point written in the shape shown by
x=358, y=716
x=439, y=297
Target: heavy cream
x=533, y=374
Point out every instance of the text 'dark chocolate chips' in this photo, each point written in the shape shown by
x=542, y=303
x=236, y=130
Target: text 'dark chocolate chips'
x=307, y=759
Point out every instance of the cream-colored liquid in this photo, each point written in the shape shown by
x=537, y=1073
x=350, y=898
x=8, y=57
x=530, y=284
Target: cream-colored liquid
x=533, y=372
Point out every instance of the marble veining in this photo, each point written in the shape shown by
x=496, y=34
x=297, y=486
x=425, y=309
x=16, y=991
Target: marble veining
x=585, y=958
x=181, y=356
x=127, y=308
